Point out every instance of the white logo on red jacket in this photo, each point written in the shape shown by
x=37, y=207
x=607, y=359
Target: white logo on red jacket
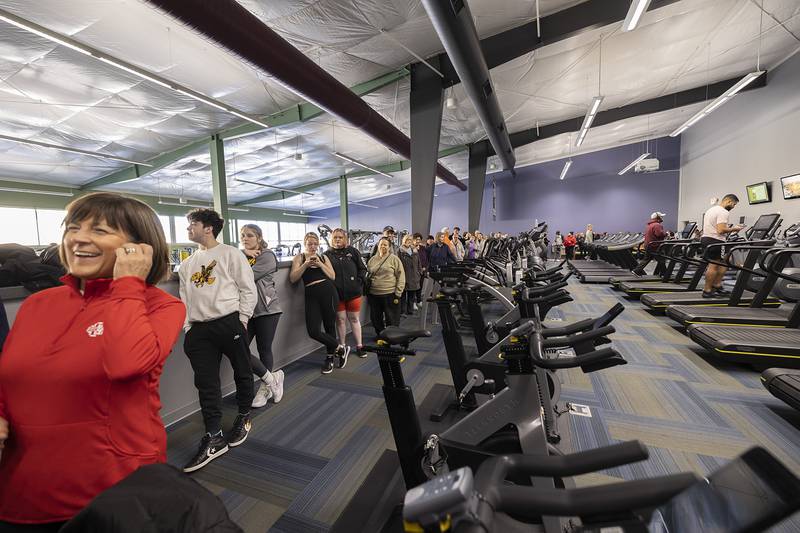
x=95, y=330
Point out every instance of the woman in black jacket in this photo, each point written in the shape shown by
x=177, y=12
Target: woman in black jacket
x=350, y=274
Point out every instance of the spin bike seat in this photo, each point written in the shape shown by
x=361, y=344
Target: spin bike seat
x=396, y=335
x=451, y=291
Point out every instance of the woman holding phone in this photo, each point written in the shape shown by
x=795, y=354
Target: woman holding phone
x=321, y=299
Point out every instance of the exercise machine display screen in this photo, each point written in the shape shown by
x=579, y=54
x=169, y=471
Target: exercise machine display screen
x=763, y=225
x=748, y=494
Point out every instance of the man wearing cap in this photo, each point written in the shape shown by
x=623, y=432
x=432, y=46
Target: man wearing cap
x=388, y=232
x=654, y=232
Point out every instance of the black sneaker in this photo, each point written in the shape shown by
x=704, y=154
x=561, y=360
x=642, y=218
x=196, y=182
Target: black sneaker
x=722, y=291
x=343, y=352
x=361, y=352
x=708, y=294
x=240, y=430
x=210, y=449
x=327, y=366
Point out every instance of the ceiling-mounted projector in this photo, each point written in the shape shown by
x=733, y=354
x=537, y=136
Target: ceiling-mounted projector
x=647, y=165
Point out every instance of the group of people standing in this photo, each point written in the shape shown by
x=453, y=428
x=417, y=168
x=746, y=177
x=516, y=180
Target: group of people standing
x=569, y=242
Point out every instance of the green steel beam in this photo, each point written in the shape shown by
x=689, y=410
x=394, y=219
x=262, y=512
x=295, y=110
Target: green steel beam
x=42, y=200
x=344, y=204
x=297, y=113
x=397, y=166
x=136, y=171
x=219, y=185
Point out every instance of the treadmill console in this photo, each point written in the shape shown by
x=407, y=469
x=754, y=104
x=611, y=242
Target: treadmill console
x=764, y=227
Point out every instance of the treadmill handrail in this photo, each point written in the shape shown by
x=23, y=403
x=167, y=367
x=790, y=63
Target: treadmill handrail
x=772, y=270
x=728, y=257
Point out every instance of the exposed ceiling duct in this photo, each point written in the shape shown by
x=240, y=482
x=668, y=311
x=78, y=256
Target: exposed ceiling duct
x=453, y=22
x=238, y=30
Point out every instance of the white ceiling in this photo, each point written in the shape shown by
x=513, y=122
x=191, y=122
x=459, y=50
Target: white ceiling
x=51, y=93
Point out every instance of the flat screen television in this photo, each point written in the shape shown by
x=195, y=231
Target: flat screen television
x=758, y=193
x=791, y=186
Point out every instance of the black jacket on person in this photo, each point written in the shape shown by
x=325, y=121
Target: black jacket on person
x=439, y=254
x=350, y=271
x=412, y=267
x=154, y=499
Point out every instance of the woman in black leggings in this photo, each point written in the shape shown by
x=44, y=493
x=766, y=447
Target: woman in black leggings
x=264, y=322
x=321, y=299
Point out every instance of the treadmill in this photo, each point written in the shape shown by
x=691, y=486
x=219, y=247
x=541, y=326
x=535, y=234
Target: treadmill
x=758, y=346
x=617, y=259
x=685, y=235
x=745, y=288
x=765, y=226
x=784, y=384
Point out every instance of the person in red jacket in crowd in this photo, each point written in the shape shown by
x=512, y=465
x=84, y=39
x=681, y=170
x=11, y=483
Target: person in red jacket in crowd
x=80, y=369
x=654, y=232
x=569, y=245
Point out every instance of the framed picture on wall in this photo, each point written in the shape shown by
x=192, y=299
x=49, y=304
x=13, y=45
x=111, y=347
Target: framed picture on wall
x=758, y=193
x=791, y=186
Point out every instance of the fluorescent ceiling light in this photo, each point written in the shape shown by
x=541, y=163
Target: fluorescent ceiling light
x=633, y=163
x=36, y=191
x=566, y=168
x=635, y=12
x=359, y=163
x=179, y=204
x=99, y=155
x=588, y=119
x=243, y=209
x=727, y=96
x=122, y=65
x=365, y=205
x=300, y=215
x=293, y=191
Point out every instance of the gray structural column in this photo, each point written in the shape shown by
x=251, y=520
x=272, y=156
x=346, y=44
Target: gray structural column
x=477, y=180
x=427, y=98
x=344, y=209
x=219, y=184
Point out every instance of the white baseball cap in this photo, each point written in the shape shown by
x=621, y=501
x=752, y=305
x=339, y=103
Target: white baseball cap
x=657, y=214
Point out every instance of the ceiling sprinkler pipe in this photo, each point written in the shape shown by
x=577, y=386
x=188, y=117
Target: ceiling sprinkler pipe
x=232, y=26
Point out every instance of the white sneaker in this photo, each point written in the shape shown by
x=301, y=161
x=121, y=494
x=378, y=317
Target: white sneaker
x=414, y=306
x=276, y=389
x=262, y=395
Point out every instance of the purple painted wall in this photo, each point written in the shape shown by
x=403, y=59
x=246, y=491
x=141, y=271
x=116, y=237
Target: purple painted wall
x=592, y=193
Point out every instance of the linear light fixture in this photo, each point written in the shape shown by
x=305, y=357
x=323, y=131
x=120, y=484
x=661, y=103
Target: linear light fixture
x=721, y=99
x=99, y=155
x=300, y=215
x=242, y=209
x=588, y=119
x=365, y=205
x=633, y=163
x=565, y=169
x=179, y=204
x=72, y=44
x=359, y=163
x=635, y=12
x=294, y=191
x=36, y=191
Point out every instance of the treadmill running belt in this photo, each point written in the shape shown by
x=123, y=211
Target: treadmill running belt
x=784, y=384
x=739, y=316
x=759, y=346
x=695, y=298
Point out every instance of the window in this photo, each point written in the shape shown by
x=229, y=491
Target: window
x=19, y=226
x=180, y=229
x=292, y=233
x=164, y=219
x=51, y=228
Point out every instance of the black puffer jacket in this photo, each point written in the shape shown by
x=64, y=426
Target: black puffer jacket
x=350, y=271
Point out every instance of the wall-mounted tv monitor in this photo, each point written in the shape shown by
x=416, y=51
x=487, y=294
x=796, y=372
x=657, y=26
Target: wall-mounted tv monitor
x=758, y=193
x=791, y=187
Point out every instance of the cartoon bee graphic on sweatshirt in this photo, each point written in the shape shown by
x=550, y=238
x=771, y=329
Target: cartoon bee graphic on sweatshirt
x=204, y=276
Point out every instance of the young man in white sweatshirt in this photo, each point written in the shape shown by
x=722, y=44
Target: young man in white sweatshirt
x=217, y=286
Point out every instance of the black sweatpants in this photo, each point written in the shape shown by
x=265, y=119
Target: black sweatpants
x=204, y=344
x=383, y=311
x=263, y=329
x=321, y=302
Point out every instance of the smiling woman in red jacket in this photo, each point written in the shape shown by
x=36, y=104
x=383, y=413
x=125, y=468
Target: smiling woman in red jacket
x=79, y=372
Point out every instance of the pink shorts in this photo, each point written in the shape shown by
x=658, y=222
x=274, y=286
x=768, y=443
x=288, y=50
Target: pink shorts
x=351, y=306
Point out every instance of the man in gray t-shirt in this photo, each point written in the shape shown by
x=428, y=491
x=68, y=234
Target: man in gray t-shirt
x=715, y=231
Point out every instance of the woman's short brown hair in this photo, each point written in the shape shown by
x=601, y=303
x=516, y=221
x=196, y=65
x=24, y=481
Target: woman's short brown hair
x=122, y=213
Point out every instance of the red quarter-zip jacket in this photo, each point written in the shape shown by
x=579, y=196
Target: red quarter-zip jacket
x=79, y=380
